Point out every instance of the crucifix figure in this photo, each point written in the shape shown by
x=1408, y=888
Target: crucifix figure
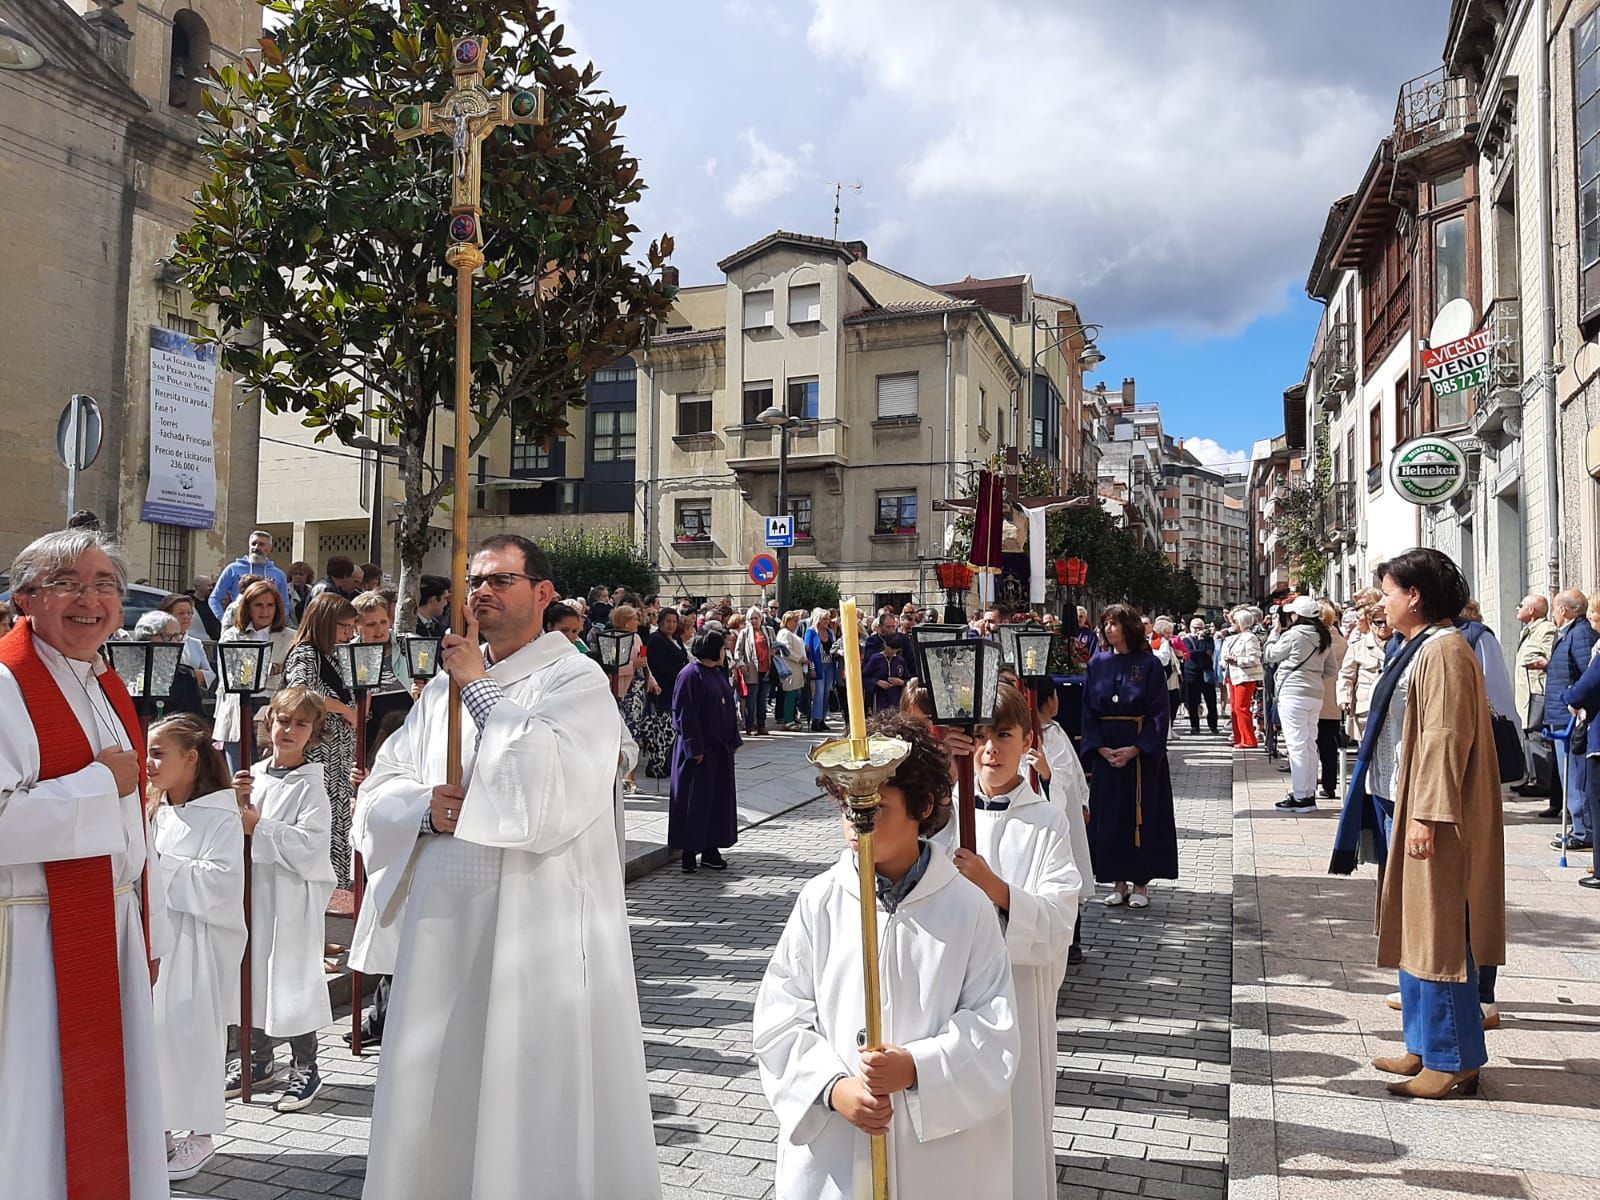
x=468, y=115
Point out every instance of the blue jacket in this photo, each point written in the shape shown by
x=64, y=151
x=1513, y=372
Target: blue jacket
x=1569, y=659
x=1585, y=693
x=226, y=590
x=1201, y=659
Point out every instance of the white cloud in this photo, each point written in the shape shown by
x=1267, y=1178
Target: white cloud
x=768, y=175
x=711, y=165
x=1160, y=163
x=1213, y=454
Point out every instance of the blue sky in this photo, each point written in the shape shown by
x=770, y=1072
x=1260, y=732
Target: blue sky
x=1166, y=163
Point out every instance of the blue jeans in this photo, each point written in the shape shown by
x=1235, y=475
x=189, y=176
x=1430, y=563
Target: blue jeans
x=821, y=686
x=1442, y=1021
x=755, y=705
x=1574, y=772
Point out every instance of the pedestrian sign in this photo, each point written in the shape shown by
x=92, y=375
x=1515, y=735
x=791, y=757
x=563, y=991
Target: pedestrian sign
x=763, y=570
x=780, y=533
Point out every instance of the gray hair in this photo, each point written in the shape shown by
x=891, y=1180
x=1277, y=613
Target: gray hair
x=1162, y=626
x=153, y=624
x=46, y=557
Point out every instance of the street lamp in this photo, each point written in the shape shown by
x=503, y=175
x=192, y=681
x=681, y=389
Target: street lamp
x=775, y=418
x=962, y=678
x=379, y=451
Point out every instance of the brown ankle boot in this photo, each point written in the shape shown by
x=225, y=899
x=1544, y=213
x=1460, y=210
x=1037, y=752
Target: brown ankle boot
x=1405, y=1064
x=1436, y=1085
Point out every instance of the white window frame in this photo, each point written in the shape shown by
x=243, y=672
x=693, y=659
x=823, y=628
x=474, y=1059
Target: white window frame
x=901, y=405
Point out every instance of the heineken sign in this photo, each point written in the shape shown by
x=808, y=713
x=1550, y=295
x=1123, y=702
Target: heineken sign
x=1458, y=365
x=1428, y=470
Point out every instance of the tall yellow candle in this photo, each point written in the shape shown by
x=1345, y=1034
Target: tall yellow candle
x=851, y=632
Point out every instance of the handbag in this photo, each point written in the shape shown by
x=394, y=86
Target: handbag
x=782, y=667
x=1508, y=747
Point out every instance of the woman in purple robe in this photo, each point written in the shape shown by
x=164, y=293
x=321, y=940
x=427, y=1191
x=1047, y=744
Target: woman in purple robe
x=702, y=819
x=1133, y=836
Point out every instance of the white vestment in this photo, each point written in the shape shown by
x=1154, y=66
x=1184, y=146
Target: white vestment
x=201, y=848
x=1069, y=787
x=1029, y=845
x=947, y=998
x=289, y=891
x=513, y=1059
x=76, y=816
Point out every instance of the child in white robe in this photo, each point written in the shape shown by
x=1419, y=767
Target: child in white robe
x=199, y=841
x=1057, y=763
x=1023, y=863
x=941, y=1086
x=288, y=812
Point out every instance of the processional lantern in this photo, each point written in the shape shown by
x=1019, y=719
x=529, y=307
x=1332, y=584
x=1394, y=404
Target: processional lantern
x=422, y=655
x=147, y=668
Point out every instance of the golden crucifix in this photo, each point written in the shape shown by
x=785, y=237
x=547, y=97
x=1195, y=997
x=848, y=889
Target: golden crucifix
x=468, y=114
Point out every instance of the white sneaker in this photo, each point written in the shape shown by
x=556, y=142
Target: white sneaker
x=1393, y=1000
x=188, y=1156
x=1491, y=1015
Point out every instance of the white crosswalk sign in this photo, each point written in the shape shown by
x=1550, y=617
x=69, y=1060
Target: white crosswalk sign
x=780, y=533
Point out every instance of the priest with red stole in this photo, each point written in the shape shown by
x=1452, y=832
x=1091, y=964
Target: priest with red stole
x=80, y=1102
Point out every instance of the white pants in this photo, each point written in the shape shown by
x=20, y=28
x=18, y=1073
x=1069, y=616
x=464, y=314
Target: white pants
x=1299, y=718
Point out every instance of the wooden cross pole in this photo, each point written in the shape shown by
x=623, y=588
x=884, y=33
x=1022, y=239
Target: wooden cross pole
x=468, y=114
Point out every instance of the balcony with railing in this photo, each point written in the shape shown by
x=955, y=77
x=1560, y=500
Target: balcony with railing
x=1336, y=514
x=1433, y=109
x=1500, y=397
x=1336, y=363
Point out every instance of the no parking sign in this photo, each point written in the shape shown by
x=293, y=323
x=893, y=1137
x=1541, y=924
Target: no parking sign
x=763, y=570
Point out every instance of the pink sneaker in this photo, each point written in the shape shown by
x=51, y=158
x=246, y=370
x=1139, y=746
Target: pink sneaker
x=188, y=1156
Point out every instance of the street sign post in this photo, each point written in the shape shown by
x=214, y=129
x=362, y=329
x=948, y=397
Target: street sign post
x=763, y=570
x=780, y=533
x=79, y=434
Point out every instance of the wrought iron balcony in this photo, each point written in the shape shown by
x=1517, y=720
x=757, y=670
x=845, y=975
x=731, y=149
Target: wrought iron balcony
x=1336, y=363
x=1432, y=108
x=1501, y=396
x=1337, y=514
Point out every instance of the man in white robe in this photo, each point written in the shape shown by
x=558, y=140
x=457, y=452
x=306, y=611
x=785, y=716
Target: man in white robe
x=513, y=1059
x=70, y=587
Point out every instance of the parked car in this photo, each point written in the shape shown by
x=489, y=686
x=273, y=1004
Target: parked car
x=140, y=599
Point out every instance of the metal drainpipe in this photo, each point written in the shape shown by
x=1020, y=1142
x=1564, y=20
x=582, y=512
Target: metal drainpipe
x=650, y=531
x=949, y=420
x=1547, y=271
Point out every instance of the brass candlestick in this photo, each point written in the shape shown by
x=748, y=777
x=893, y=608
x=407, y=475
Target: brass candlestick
x=861, y=767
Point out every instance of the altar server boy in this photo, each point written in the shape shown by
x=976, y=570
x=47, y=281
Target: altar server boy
x=288, y=812
x=941, y=1086
x=1059, y=766
x=1024, y=865
x=199, y=840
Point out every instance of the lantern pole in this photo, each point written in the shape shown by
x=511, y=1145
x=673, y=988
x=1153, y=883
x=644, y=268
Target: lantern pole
x=247, y=757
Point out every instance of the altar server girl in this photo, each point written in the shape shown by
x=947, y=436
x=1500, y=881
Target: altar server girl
x=1058, y=765
x=199, y=841
x=288, y=812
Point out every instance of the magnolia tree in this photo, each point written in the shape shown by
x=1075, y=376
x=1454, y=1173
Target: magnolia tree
x=319, y=228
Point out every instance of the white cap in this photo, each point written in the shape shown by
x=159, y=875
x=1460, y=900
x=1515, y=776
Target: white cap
x=1304, y=606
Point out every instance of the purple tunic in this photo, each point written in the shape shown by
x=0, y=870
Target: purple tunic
x=703, y=815
x=1133, y=833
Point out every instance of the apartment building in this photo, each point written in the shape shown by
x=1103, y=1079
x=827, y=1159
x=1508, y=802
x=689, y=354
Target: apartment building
x=894, y=388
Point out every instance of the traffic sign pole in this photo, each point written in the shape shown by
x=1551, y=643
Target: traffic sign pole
x=74, y=436
x=783, y=511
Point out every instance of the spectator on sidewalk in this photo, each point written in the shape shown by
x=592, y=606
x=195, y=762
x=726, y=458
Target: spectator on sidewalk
x=703, y=817
x=1363, y=661
x=1199, y=675
x=666, y=656
x=433, y=606
x=1569, y=657
x=200, y=589
x=1534, y=645
x=1583, y=700
x=1435, y=782
x=819, y=649
x=1329, y=735
x=1241, y=656
x=301, y=578
x=752, y=661
x=341, y=579
x=1158, y=634
x=257, y=562
x=1298, y=654
x=790, y=648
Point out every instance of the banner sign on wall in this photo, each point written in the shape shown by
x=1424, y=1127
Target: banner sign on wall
x=1458, y=365
x=183, y=472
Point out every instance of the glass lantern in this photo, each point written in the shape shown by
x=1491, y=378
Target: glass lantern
x=147, y=668
x=614, y=648
x=1034, y=647
x=422, y=655
x=931, y=635
x=962, y=678
x=360, y=664
x=244, y=666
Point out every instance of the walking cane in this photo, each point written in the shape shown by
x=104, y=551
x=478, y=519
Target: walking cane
x=1564, y=778
x=247, y=757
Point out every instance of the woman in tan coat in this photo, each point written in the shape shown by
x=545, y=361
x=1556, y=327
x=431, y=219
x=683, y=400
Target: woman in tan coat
x=1435, y=779
x=1363, y=660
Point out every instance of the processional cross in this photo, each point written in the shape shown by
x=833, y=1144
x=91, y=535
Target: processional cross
x=468, y=114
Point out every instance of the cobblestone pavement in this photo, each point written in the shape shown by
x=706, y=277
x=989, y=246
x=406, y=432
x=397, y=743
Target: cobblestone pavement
x=1143, y=1083
x=1311, y=1118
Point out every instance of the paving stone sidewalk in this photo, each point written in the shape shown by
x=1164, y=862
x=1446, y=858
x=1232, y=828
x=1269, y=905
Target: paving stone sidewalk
x=1311, y=1117
x=1142, y=1091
